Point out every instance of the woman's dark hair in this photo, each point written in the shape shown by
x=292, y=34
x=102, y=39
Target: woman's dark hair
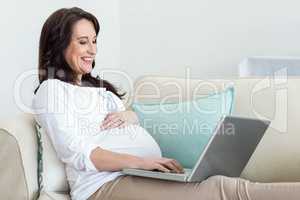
x=55, y=38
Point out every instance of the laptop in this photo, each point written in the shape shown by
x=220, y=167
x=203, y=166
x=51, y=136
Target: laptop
x=227, y=152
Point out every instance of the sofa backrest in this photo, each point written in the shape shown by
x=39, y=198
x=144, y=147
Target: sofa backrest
x=276, y=99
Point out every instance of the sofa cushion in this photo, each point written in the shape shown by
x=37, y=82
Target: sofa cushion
x=51, y=171
x=183, y=129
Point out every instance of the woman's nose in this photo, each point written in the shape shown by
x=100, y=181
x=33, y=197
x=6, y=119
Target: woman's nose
x=92, y=49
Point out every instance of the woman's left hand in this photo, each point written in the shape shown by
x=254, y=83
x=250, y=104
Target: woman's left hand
x=119, y=119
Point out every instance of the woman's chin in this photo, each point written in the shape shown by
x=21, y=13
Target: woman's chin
x=87, y=69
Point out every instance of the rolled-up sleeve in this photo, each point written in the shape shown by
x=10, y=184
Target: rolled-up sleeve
x=58, y=118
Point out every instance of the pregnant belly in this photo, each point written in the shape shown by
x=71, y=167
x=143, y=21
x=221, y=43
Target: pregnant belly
x=132, y=139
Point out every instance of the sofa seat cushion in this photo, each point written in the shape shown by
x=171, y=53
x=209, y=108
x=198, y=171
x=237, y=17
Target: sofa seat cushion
x=54, y=196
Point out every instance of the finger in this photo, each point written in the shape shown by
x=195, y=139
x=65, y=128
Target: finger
x=109, y=118
x=171, y=166
x=104, y=123
x=108, y=124
x=109, y=121
x=115, y=124
x=167, y=163
x=123, y=124
x=112, y=124
x=162, y=168
x=178, y=165
x=109, y=115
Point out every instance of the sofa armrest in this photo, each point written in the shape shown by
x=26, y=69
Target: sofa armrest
x=18, y=155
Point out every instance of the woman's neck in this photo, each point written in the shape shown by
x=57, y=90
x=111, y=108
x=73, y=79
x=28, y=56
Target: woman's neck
x=78, y=80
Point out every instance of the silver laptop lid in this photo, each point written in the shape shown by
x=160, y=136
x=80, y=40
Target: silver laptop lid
x=230, y=147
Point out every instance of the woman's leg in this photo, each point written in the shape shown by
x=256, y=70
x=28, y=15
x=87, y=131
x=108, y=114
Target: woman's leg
x=272, y=191
x=214, y=188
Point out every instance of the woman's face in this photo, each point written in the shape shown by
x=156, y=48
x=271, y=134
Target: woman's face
x=82, y=49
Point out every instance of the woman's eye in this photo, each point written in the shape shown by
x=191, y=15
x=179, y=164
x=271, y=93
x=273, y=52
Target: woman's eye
x=95, y=41
x=82, y=42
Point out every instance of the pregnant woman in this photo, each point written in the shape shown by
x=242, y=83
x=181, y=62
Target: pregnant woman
x=96, y=137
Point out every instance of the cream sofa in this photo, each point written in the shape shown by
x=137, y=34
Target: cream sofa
x=275, y=159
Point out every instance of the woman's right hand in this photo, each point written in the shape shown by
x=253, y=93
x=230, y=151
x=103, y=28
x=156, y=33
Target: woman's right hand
x=161, y=164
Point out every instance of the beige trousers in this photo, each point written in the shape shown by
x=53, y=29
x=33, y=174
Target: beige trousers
x=214, y=188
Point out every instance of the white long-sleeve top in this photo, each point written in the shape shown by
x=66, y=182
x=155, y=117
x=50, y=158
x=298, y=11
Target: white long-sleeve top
x=71, y=116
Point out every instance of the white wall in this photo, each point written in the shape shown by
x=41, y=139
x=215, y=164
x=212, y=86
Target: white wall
x=163, y=37
x=160, y=37
x=21, y=23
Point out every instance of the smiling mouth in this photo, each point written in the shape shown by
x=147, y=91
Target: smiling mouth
x=87, y=60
